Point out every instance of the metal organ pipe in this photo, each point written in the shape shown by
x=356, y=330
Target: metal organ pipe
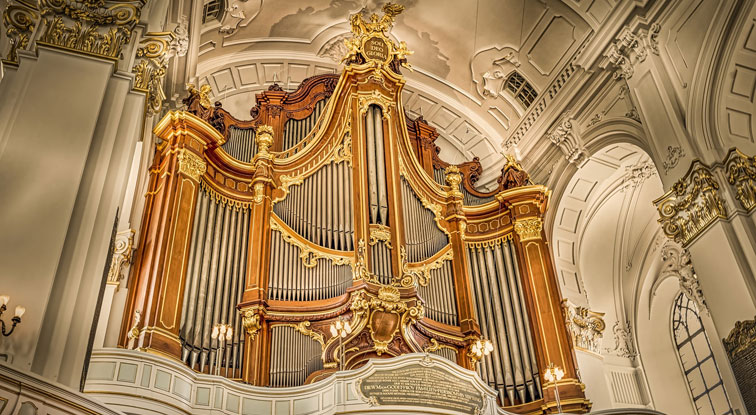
x=293, y=357
x=309, y=207
x=439, y=295
x=503, y=318
x=296, y=130
x=423, y=237
x=240, y=144
x=214, y=284
x=290, y=280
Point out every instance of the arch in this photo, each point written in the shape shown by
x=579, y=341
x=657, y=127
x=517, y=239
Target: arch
x=603, y=229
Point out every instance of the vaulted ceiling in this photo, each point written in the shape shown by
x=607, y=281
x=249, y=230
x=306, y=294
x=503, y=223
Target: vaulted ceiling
x=464, y=53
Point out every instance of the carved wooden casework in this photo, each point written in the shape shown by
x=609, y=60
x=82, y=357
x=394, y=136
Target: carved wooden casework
x=400, y=293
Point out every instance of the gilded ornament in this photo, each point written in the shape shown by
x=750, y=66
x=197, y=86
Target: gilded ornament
x=691, y=206
x=453, y=179
x=344, y=151
x=741, y=174
x=94, y=27
x=134, y=332
x=359, y=268
x=380, y=233
x=369, y=40
x=264, y=139
x=251, y=321
x=528, y=229
x=151, y=65
x=259, y=191
x=19, y=20
x=307, y=254
x=420, y=274
x=191, y=164
x=741, y=338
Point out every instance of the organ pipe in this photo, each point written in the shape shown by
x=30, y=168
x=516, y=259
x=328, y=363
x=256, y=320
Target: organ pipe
x=285, y=243
x=503, y=319
x=214, y=284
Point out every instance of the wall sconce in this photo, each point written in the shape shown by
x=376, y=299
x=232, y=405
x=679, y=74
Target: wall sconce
x=555, y=374
x=16, y=318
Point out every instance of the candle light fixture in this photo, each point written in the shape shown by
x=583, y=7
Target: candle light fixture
x=555, y=374
x=341, y=328
x=222, y=333
x=480, y=349
x=16, y=317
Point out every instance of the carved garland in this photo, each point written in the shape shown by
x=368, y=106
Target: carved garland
x=412, y=275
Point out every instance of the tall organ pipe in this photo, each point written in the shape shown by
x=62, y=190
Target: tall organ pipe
x=290, y=280
x=214, y=285
x=293, y=357
x=423, y=237
x=439, y=295
x=296, y=130
x=309, y=207
x=378, y=196
x=499, y=300
x=240, y=144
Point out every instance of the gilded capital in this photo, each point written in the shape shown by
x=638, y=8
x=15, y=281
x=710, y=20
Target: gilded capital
x=692, y=205
x=528, y=229
x=191, y=164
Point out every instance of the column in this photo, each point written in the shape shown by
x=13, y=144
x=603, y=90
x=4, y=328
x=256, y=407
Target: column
x=547, y=321
x=252, y=308
x=153, y=313
x=68, y=126
x=455, y=217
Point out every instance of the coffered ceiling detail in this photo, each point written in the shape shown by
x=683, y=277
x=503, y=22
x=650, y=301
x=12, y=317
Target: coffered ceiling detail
x=463, y=56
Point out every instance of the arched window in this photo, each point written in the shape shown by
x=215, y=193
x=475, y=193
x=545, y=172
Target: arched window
x=212, y=10
x=521, y=89
x=697, y=359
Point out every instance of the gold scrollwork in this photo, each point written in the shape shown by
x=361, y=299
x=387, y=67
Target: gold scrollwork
x=95, y=27
x=191, y=164
x=691, y=206
x=380, y=233
x=344, y=151
x=741, y=338
x=528, y=229
x=134, y=332
x=19, y=20
x=307, y=254
x=251, y=321
x=388, y=301
x=359, y=268
x=436, y=346
x=378, y=99
x=741, y=173
x=259, y=191
x=369, y=39
x=420, y=274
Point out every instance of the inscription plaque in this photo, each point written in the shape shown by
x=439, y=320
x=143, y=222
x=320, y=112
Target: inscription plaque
x=376, y=48
x=419, y=385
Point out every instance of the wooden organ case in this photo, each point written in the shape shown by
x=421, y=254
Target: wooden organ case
x=332, y=204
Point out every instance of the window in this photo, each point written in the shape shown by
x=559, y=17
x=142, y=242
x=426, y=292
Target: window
x=697, y=359
x=521, y=89
x=211, y=10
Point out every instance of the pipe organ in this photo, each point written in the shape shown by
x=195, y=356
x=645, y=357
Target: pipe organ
x=330, y=204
